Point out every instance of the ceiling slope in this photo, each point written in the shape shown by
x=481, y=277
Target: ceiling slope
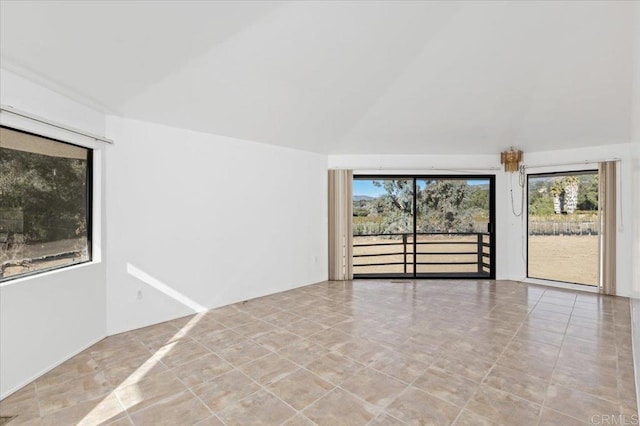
x=344, y=77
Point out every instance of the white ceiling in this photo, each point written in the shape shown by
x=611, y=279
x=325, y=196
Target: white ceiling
x=343, y=77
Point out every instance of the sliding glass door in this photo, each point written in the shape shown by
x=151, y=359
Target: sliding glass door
x=423, y=226
x=563, y=227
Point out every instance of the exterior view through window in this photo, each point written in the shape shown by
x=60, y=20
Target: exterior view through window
x=422, y=226
x=563, y=227
x=45, y=200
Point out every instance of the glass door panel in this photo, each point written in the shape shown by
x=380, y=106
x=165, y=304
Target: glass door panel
x=383, y=226
x=452, y=226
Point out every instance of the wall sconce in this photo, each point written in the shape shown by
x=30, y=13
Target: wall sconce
x=511, y=160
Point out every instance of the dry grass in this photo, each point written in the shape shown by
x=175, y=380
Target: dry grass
x=570, y=258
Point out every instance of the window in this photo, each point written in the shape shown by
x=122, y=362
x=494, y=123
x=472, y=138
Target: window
x=563, y=227
x=45, y=204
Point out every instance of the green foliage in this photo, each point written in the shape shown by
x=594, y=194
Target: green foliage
x=442, y=206
x=588, y=195
x=50, y=192
x=360, y=212
x=542, y=190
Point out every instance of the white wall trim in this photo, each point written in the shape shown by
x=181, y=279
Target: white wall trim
x=49, y=368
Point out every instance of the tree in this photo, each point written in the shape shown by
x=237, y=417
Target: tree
x=442, y=206
x=570, y=185
x=398, y=205
x=49, y=191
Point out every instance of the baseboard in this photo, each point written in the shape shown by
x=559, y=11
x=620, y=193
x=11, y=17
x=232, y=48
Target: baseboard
x=51, y=367
x=635, y=342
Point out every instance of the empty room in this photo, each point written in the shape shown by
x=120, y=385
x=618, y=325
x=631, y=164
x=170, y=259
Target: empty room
x=319, y=212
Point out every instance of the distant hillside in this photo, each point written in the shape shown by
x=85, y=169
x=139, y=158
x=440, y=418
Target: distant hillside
x=362, y=198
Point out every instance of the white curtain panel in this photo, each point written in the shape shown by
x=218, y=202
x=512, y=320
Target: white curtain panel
x=607, y=205
x=340, y=225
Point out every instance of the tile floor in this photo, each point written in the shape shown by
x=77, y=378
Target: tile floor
x=367, y=352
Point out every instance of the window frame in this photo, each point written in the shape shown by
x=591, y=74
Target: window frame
x=89, y=182
x=444, y=275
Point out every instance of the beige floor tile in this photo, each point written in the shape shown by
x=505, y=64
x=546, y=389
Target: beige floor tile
x=398, y=366
x=80, y=365
x=202, y=370
x=300, y=388
x=182, y=408
x=577, y=404
x=454, y=389
x=149, y=391
x=468, y=418
x=503, y=407
x=101, y=410
x=72, y=392
x=298, y=420
x=210, y=421
x=588, y=378
x=201, y=326
x=385, y=419
x=374, y=387
x=334, y=368
x=280, y=318
x=114, y=354
x=531, y=388
x=277, y=339
x=221, y=392
x=303, y=352
x=518, y=338
x=254, y=329
x=243, y=352
x=219, y=339
x=304, y=327
x=260, y=408
x=551, y=417
x=181, y=352
x=362, y=350
x=269, y=369
x=418, y=407
x=474, y=369
x=133, y=370
x=339, y=407
x=330, y=338
x=24, y=402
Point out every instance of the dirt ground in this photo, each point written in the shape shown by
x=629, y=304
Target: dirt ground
x=564, y=258
x=561, y=258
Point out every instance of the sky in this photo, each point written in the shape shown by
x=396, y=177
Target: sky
x=366, y=187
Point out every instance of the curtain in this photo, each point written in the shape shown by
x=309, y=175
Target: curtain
x=607, y=206
x=340, y=225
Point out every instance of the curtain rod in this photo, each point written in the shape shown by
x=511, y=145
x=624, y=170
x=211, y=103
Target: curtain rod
x=33, y=117
x=575, y=163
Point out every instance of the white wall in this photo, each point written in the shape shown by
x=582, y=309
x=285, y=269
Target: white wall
x=48, y=318
x=210, y=219
x=510, y=256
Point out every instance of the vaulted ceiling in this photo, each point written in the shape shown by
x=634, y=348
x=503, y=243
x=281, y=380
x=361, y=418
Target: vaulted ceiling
x=343, y=77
